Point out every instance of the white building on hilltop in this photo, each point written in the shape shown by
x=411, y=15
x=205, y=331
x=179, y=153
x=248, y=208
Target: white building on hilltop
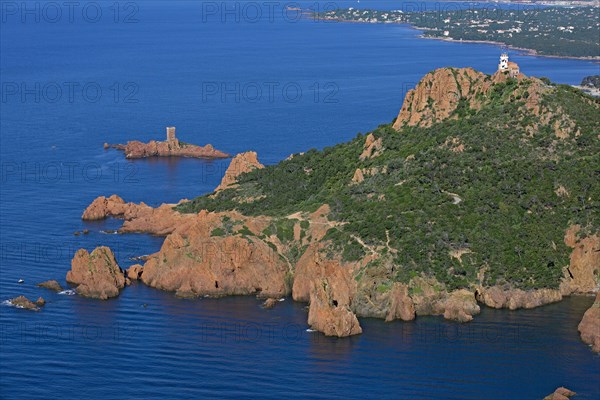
x=508, y=66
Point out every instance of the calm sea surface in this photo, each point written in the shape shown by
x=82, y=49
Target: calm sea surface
x=242, y=76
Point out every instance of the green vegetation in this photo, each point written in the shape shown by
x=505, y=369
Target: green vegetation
x=218, y=232
x=554, y=31
x=519, y=186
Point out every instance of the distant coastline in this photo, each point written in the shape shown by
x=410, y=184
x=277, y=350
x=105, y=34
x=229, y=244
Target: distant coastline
x=526, y=51
x=469, y=26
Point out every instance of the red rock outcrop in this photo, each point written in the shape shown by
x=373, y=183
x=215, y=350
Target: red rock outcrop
x=195, y=263
x=329, y=288
x=240, y=164
x=171, y=148
x=311, y=267
x=431, y=298
x=138, y=217
x=96, y=275
x=460, y=306
x=135, y=272
x=589, y=327
x=329, y=310
x=584, y=266
x=24, y=302
x=159, y=221
x=358, y=176
x=113, y=206
x=402, y=306
x=560, y=394
x=372, y=147
x=438, y=94
x=514, y=299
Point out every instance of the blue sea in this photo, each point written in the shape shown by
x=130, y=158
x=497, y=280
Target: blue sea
x=241, y=76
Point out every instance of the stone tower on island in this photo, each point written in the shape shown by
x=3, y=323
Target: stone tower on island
x=171, y=134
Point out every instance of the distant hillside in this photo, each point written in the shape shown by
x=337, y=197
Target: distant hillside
x=475, y=181
x=550, y=31
x=591, y=81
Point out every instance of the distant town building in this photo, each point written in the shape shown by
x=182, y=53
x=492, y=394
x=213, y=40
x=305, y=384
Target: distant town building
x=508, y=66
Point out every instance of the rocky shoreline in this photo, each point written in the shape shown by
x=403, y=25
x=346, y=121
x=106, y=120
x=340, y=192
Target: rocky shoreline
x=589, y=327
x=195, y=262
x=221, y=253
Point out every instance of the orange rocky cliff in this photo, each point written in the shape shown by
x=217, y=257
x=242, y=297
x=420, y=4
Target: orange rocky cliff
x=240, y=164
x=589, y=327
x=197, y=262
x=227, y=253
x=96, y=275
x=438, y=94
x=441, y=92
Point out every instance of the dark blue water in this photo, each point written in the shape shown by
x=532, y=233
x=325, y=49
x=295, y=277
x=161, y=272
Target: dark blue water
x=277, y=86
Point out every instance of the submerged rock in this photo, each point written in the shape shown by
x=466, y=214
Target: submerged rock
x=269, y=303
x=24, y=302
x=96, y=275
x=52, y=285
x=40, y=302
x=560, y=394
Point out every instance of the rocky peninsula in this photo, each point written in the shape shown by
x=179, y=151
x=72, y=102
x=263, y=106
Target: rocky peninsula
x=172, y=147
x=392, y=241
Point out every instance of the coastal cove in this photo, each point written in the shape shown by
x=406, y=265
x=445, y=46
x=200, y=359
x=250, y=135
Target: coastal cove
x=151, y=343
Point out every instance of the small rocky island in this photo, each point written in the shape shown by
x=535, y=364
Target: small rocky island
x=172, y=147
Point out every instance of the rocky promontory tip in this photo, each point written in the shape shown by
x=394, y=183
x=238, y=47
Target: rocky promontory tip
x=589, y=327
x=240, y=164
x=172, y=147
x=97, y=274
